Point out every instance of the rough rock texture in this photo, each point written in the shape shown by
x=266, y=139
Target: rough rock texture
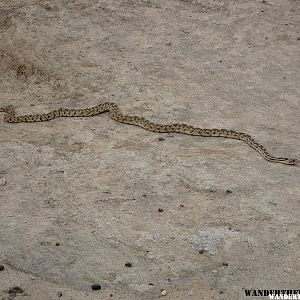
x=80, y=197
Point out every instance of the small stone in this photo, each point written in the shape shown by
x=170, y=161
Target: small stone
x=1, y=267
x=2, y=181
x=168, y=43
x=163, y=292
x=15, y=290
x=201, y=251
x=225, y=264
x=228, y=191
x=160, y=210
x=161, y=139
x=181, y=205
x=220, y=292
x=96, y=287
x=150, y=283
x=57, y=244
x=128, y=264
x=298, y=38
x=212, y=189
x=59, y=294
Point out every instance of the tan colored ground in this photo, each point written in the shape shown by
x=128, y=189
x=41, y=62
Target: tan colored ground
x=95, y=186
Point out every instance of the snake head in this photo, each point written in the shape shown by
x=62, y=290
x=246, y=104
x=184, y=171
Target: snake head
x=7, y=108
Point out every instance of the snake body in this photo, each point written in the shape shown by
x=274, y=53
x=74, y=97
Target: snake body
x=114, y=112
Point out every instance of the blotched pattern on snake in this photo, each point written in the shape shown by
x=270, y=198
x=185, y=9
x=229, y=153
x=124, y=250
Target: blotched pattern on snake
x=114, y=112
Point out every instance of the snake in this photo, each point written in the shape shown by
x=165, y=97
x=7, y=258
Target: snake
x=115, y=114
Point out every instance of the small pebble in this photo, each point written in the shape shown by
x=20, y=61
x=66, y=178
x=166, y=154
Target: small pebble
x=59, y=294
x=163, y=292
x=57, y=244
x=201, y=251
x=160, y=210
x=161, y=139
x=181, y=205
x=225, y=264
x=15, y=290
x=298, y=38
x=2, y=181
x=1, y=267
x=96, y=287
x=220, y=292
x=150, y=283
x=168, y=43
x=128, y=265
x=228, y=191
x=212, y=190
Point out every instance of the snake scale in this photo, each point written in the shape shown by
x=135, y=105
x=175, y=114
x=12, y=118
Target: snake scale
x=114, y=112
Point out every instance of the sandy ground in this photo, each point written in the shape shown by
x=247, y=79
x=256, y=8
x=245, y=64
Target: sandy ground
x=79, y=197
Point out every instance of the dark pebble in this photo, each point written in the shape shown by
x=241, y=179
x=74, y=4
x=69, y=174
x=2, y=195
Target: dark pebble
x=59, y=294
x=15, y=290
x=220, y=292
x=201, y=251
x=150, y=283
x=228, y=191
x=181, y=205
x=128, y=265
x=298, y=38
x=160, y=210
x=225, y=264
x=1, y=267
x=96, y=287
x=57, y=244
x=161, y=139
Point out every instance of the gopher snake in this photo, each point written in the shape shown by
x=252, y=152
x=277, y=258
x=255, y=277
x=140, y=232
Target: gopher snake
x=115, y=114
